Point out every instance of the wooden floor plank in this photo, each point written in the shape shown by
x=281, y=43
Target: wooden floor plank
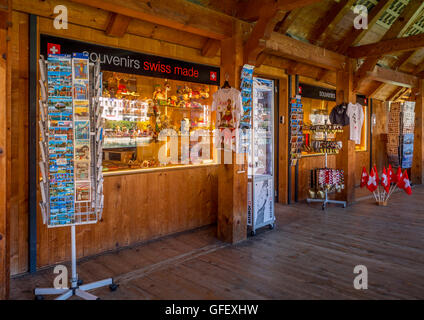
x=310, y=254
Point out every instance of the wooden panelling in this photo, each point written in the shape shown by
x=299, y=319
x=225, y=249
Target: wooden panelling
x=4, y=156
x=19, y=145
x=138, y=207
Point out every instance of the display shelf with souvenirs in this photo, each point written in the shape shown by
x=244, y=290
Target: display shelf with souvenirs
x=400, y=138
x=319, y=111
x=136, y=109
x=71, y=132
x=326, y=180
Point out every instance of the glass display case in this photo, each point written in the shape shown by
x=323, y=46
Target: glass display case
x=136, y=109
x=261, y=157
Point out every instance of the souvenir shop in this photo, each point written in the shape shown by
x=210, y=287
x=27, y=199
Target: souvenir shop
x=157, y=170
x=314, y=160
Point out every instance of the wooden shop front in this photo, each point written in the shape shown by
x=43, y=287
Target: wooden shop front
x=143, y=201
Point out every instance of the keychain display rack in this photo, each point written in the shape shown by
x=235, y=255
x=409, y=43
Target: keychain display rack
x=71, y=131
x=326, y=129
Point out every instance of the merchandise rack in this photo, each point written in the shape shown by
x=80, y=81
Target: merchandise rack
x=326, y=200
x=88, y=212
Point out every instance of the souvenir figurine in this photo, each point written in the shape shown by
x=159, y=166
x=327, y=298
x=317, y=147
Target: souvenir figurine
x=204, y=93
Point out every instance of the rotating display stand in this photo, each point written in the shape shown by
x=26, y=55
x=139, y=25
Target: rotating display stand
x=71, y=150
x=326, y=200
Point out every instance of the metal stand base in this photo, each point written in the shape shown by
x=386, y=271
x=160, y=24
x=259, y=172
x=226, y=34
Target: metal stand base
x=77, y=289
x=80, y=291
x=326, y=200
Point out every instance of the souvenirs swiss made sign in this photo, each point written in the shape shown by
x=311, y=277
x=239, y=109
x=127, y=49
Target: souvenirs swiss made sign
x=118, y=60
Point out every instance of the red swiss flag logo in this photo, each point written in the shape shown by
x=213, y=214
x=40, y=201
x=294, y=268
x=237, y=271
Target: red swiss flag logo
x=212, y=76
x=53, y=48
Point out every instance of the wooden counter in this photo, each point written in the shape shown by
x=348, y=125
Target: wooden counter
x=139, y=207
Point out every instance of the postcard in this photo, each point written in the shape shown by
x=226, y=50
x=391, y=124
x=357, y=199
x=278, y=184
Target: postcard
x=82, y=130
x=80, y=69
x=82, y=150
x=81, y=91
x=82, y=191
x=82, y=170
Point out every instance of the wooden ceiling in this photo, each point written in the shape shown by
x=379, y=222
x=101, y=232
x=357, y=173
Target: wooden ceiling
x=329, y=24
x=315, y=25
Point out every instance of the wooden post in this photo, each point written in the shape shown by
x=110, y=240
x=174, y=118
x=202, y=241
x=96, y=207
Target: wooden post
x=232, y=179
x=4, y=154
x=418, y=160
x=346, y=158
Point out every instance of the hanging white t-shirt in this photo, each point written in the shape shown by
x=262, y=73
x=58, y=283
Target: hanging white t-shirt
x=355, y=113
x=227, y=103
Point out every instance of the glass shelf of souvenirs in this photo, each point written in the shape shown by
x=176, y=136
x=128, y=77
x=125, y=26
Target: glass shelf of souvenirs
x=137, y=108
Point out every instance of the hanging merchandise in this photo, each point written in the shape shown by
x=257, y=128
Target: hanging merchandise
x=326, y=180
x=356, y=116
x=400, y=138
x=246, y=116
x=296, y=125
x=227, y=103
x=339, y=115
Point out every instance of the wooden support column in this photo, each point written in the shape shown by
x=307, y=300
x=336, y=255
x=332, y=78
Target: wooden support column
x=232, y=179
x=418, y=160
x=346, y=158
x=5, y=9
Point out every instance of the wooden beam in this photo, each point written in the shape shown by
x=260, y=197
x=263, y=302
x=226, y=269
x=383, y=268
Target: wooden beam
x=397, y=29
x=372, y=93
x=211, y=48
x=177, y=14
x=288, y=20
x=394, y=94
x=5, y=89
x=117, y=25
x=417, y=170
x=393, y=77
x=402, y=60
x=326, y=24
x=250, y=10
x=261, y=32
x=387, y=46
x=346, y=159
x=356, y=35
x=290, y=48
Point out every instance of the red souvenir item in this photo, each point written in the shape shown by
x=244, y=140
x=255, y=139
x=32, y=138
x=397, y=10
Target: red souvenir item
x=372, y=182
x=364, y=177
x=406, y=183
x=385, y=180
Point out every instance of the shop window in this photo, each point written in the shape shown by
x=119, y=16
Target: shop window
x=149, y=120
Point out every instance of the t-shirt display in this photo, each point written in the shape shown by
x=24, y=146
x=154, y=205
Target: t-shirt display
x=339, y=115
x=227, y=103
x=355, y=113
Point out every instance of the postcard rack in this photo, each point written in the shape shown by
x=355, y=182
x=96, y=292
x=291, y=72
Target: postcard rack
x=71, y=140
x=325, y=200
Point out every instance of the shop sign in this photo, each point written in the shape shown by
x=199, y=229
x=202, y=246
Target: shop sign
x=320, y=93
x=118, y=60
x=314, y=92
